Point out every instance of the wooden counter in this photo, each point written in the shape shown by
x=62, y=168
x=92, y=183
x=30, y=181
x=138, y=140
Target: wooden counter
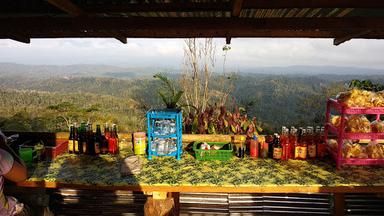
x=189, y=175
x=165, y=177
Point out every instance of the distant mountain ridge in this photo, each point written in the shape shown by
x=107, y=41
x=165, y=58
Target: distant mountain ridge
x=314, y=70
x=63, y=71
x=86, y=70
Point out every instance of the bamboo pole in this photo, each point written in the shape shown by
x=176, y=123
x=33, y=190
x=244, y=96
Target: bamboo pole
x=187, y=138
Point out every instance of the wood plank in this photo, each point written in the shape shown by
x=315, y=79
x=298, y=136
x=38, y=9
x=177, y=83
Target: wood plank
x=227, y=6
x=159, y=195
x=176, y=200
x=185, y=33
x=160, y=7
x=74, y=10
x=272, y=4
x=339, y=204
x=121, y=39
x=150, y=25
x=215, y=189
x=340, y=40
x=236, y=8
x=67, y=6
x=188, y=138
x=20, y=38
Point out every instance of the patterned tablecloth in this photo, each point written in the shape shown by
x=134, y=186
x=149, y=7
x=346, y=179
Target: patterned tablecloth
x=104, y=171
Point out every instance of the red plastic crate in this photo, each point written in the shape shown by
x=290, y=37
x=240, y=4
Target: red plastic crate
x=341, y=134
x=51, y=152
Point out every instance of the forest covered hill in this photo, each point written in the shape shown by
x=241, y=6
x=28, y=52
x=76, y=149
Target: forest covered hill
x=39, y=102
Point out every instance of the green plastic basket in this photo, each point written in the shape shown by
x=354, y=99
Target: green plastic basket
x=222, y=155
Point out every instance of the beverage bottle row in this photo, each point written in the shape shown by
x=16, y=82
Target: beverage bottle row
x=82, y=140
x=295, y=143
x=299, y=144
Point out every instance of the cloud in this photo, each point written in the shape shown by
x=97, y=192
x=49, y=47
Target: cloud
x=245, y=52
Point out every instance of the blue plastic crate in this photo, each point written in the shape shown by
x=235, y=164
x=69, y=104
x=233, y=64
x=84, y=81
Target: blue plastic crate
x=164, y=133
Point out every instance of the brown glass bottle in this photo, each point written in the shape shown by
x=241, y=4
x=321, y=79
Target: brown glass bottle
x=301, y=146
x=71, y=139
x=98, y=139
x=277, y=148
x=76, y=140
x=83, y=139
x=104, y=143
x=90, y=140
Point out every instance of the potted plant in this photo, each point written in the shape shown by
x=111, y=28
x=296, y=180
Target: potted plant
x=170, y=96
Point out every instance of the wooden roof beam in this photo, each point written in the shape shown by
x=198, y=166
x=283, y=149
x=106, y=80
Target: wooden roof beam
x=351, y=24
x=275, y=4
x=76, y=11
x=229, y=6
x=236, y=8
x=186, y=33
x=122, y=39
x=160, y=7
x=67, y=6
x=20, y=38
x=339, y=40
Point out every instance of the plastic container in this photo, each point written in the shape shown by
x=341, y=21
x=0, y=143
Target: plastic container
x=49, y=152
x=341, y=134
x=139, y=144
x=27, y=155
x=164, y=133
x=221, y=154
x=254, y=147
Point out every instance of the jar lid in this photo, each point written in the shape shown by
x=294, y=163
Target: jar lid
x=139, y=134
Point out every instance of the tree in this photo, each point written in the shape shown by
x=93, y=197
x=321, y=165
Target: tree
x=199, y=62
x=65, y=110
x=70, y=113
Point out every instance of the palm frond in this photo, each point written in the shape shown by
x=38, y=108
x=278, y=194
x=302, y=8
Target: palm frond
x=166, y=82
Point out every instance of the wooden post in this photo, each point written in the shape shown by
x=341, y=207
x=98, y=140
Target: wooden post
x=176, y=201
x=339, y=204
x=159, y=205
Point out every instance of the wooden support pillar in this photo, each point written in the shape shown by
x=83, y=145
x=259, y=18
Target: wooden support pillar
x=339, y=204
x=159, y=204
x=176, y=201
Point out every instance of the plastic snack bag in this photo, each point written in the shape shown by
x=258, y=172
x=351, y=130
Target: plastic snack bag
x=377, y=126
x=358, y=124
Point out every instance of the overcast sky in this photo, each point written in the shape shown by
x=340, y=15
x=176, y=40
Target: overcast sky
x=245, y=53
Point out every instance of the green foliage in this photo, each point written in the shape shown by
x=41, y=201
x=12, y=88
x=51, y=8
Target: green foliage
x=276, y=100
x=217, y=120
x=45, y=111
x=366, y=85
x=170, y=96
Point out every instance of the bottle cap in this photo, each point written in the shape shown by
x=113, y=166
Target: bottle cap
x=254, y=137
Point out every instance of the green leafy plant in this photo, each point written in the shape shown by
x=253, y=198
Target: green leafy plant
x=217, y=120
x=170, y=97
x=366, y=85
